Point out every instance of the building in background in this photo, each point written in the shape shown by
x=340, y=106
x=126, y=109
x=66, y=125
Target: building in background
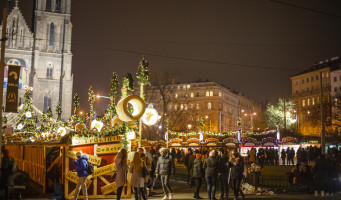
x=42, y=48
x=306, y=94
x=185, y=105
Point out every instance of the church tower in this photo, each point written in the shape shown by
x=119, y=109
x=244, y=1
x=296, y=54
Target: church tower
x=51, y=75
x=43, y=51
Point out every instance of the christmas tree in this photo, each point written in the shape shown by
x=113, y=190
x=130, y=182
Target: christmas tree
x=92, y=100
x=58, y=110
x=26, y=123
x=76, y=103
x=143, y=72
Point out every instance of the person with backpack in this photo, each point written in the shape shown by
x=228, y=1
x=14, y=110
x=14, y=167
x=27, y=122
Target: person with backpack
x=8, y=168
x=198, y=175
x=137, y=178
x=82, y=172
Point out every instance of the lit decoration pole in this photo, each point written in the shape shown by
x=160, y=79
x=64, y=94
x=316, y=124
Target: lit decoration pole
x=112, y=93
x=76, y=103
x=143, y=76
x=239, y=123
x=127, y=85
x=58, y=111
x=92, y=100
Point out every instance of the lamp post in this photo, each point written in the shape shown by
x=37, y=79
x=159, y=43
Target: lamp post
x=207, y=117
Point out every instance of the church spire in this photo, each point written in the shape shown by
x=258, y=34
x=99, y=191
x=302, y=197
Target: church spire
x=16, y=3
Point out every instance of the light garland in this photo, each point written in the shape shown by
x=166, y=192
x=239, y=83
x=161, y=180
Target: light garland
x=182, y=134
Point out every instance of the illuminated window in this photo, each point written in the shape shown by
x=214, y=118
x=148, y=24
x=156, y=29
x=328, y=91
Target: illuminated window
x=188, y=86
x=327, y=74
x=185, y=106
x=207, y=93
x=192, y=106
x=220, y=94
x=209, y=106
x=313, y=101
x=211, y=93
x=303, y=102
x=47, y=103
x=176, y=95
x=197, y=106
x=175, y=107
x=48, y=5
x=181, y=106
x=170, y=107
x=318, y=99
x=308, y=102
x=49, y=70
x=178, y=87
x=192, y=94
x=184, y=87
x=51, y=40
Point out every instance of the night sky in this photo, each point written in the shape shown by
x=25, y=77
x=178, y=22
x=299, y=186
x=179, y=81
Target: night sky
x=250, y=46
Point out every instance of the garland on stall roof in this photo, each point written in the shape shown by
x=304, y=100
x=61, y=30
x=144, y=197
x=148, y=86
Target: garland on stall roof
x=118, y=130
x=221, y=134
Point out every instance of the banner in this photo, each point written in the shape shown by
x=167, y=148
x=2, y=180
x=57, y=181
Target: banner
x=12, y=88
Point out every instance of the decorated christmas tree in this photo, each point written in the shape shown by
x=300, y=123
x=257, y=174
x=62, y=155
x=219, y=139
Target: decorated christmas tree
x=114, y=84
x=26, y=123
x=92, y=100
x=76, y=103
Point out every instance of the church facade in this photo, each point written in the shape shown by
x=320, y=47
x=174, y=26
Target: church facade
x=43, y=52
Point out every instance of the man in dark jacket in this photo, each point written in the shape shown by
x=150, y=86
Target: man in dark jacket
x=197, y=175
x=189, y=163
x=7, y=164
x=81, y=168
x=211, y=171
x=223, y=170
x=237, y=168
x=165, y=168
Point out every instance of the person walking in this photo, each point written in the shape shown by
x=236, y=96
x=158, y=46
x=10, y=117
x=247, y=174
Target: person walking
x=283, y=155
x=237, y=168
x=252, y=155
x=224, y=171
x=189, y=164
x=121, y=169
x=81, y=168
x=320, y=175
x=7, y=170
x=197, y=175
x=137, y=179
x=164, y=169
x=211, y=171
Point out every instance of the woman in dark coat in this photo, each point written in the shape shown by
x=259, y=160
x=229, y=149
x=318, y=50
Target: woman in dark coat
x=211, y=172
x=7, y=172
x=197, y=175
x=236, y=174
x=121, y=169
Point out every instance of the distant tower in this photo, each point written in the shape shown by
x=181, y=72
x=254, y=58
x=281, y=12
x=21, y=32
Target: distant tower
x=51, y=75
x=43, y=52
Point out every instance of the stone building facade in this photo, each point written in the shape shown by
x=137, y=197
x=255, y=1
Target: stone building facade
x=219, y=106
x=44, y=53
x=306, y=94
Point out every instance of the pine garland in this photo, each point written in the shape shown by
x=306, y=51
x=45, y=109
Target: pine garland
x=58, y=110
x=143, y=72
x=127, y=85
x=76, y=103
x=114, y=85
x=92, y=100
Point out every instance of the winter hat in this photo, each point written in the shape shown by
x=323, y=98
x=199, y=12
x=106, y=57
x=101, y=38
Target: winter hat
x=212, y=153
x=163, y=149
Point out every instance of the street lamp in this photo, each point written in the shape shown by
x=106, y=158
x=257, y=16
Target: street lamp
x=105, y=97
x=189, y=126
x=210, y=122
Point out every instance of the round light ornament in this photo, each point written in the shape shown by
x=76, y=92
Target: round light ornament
x=61, y=131
x=137, y=104
x=28, y=114
x=98, y=125
x=20, y=126
x=150, y=116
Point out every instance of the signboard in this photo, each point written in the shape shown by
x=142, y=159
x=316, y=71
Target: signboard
x=108, y=149
x=91, y=159
x=150, y=116
x=12, y=88
x=72, y=176
x=83, y=141
x=104, y=170
x=109, y=188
